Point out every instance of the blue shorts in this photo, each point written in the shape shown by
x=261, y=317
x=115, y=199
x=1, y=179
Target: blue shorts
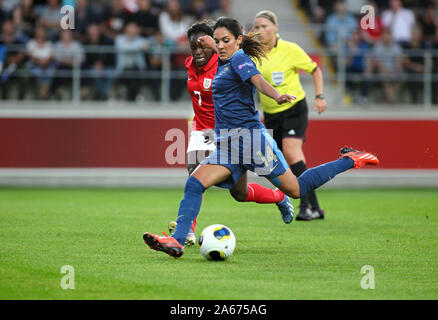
x=243, y=149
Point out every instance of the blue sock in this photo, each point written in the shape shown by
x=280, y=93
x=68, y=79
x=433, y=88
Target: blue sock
x=316, y=177
x=188, y=209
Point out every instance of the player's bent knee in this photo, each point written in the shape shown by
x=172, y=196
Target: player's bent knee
x=292, y=193
x=238, y=196
x=295, y=195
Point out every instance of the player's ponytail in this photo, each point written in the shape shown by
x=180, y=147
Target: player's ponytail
x=253, y=47
x=250, y=45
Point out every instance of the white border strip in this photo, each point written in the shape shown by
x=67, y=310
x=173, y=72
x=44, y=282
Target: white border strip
x=184, y=110
x=165, y=178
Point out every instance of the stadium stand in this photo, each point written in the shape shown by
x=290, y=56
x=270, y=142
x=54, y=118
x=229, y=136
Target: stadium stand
x=339, y=41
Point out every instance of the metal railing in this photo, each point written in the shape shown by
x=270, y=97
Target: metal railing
x=333, y=62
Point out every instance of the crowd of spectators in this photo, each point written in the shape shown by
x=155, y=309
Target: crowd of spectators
x=116, y=43
x=117, y=46
x=378, y=53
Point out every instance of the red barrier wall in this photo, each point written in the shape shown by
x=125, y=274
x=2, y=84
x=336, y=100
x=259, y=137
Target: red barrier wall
x=399, y=144
x=140, y=143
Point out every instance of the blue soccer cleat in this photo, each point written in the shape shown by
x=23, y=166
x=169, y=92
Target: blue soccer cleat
x=286, y=209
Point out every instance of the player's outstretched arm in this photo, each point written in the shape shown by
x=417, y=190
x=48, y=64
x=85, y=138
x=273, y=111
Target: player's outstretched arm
x=268, y=90
x=208, y=42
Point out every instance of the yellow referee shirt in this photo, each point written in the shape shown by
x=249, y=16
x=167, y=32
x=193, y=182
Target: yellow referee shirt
x=281, y=71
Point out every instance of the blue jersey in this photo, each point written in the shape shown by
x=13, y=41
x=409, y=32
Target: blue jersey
x=233, y=94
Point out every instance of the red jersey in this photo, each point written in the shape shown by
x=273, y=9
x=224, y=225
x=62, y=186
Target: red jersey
x=199, y=85
x=376, y=32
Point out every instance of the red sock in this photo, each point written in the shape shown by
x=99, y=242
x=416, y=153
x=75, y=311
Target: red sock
x=193, y=226
x=259, y=194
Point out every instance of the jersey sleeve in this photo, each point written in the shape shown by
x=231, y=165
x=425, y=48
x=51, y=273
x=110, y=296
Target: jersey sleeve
x=301, y=60
x=244, y=67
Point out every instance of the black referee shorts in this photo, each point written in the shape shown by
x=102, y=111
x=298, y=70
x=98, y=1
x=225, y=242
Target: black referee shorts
x=289, y=123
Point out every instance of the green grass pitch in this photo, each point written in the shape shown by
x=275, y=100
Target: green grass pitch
x=99, y=233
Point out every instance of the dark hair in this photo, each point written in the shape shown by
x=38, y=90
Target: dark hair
x=250, y=45
x=200, y=27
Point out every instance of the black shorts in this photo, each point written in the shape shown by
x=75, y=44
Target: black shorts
x=289, y=123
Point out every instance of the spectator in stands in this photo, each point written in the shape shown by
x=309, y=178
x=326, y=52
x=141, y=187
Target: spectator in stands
x=213, y=5
x=199, y=10
x=308, y=6
x=157, y=44
x=41, y=62
x=373, y=35
x=85, y=15
x=435, y=4
x=414, y=65
x=11, y=60
x=339, y=25
x=160, y=4
x=146, y=18
x=400, y=21
x=3, y=15
x=318, y=16
x=185, y=5
x=174, y=24
x=9, y=5
x=224, y=10
x=387, y=61
x=69, y=54
x=382, y=4
x=25, y=18
x=99, y=64
x=356, y=53
x=130, y=48
x=354, y=6
x=50, y=18
x=337, y=30
x=429, y=24
x=113, y=18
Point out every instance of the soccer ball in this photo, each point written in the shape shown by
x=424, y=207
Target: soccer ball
x=217, y=242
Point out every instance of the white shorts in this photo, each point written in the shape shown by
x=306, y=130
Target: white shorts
x=197, y=142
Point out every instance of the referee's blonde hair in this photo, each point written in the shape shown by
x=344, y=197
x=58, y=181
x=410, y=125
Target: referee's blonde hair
x=269, y=15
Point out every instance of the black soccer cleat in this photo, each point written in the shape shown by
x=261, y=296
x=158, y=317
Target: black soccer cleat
x=305, y=214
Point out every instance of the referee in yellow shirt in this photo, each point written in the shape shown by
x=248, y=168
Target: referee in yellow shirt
x=289, y=121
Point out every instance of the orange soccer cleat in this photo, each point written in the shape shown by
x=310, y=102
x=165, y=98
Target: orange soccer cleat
x=360, y=158
x=166, y=244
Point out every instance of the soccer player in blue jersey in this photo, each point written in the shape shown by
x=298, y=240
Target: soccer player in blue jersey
x=242, y=141
x=201, y=68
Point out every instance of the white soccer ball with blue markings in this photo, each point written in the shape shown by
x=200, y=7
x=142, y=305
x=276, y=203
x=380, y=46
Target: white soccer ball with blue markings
x=217, y=242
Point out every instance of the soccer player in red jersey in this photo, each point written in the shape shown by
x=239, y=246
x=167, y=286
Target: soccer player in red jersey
x=201, y=69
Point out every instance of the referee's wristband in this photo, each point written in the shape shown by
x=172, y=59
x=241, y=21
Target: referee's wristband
x=320, y=96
